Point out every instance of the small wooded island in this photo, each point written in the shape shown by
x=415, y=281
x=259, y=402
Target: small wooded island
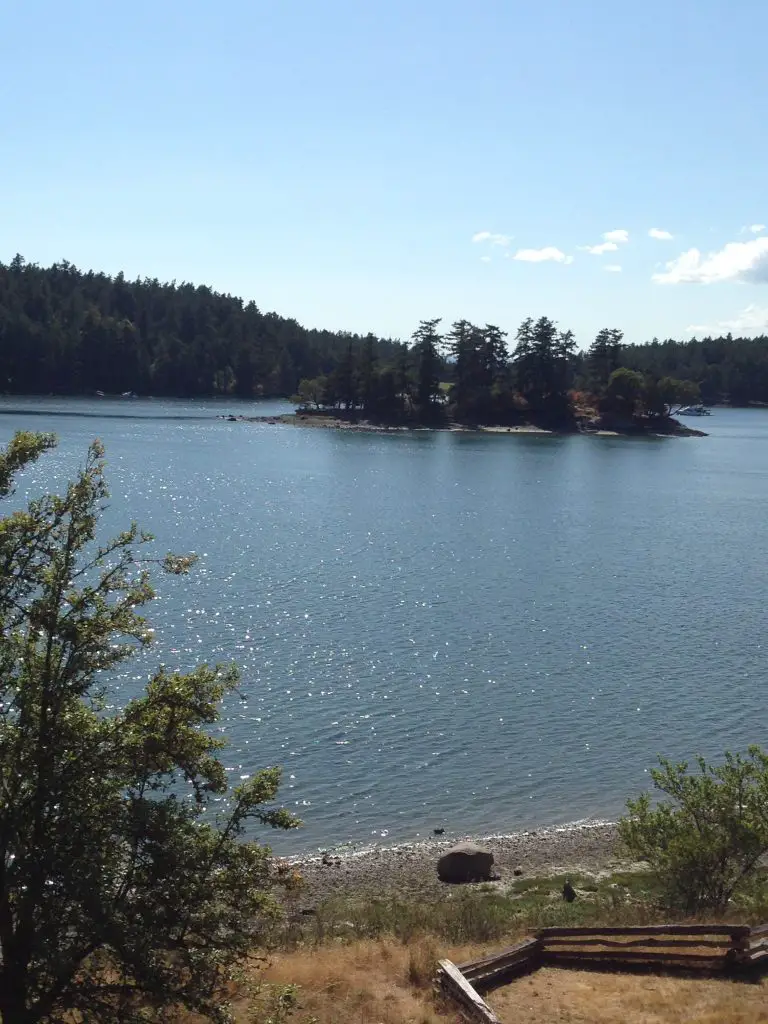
x=466, y=379
x=65, y=331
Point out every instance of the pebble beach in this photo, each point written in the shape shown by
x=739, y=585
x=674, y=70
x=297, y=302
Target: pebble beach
x=408, y=870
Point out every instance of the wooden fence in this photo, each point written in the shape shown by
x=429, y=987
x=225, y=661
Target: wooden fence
x=709, y=948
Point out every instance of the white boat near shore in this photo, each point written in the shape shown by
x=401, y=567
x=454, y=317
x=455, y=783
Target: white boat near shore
x=694, y=410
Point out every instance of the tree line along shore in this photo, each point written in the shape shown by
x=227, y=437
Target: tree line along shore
x=72, y=332
x=467, y=375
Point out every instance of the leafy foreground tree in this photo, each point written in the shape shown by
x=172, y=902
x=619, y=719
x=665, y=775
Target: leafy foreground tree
x=122, y=898
x=707, y=840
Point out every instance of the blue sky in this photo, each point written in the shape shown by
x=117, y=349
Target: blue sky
x=334, y=159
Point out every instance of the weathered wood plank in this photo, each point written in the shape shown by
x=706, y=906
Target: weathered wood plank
x=458, y=986
x=487, y=975
x=705, y=968
x=734, y=930
x=761, y=929
x=670, y=943
x=501, y=962
x=520, y=950
x=486, y=983
x=552, y=956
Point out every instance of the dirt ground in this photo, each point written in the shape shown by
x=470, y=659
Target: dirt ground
x=557, y=996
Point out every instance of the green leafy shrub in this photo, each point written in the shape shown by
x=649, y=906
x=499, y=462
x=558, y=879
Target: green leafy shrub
x=122, y=896
x=705, y=841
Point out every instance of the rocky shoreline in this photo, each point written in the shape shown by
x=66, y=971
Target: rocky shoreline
x=408, y=871
x=674, y=429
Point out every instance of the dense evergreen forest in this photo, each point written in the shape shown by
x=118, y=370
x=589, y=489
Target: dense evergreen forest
x=67, y=331
x=727, y=369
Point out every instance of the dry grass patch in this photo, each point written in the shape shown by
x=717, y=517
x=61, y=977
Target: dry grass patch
x=372, y=961
x=383, y=981
x=558, y=996
x=369, y=982
x=386, y=981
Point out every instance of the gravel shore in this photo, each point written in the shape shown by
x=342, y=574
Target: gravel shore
x=408, y=870
x=365, y=426
x=672, y=429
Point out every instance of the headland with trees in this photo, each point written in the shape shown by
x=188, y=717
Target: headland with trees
x=65, y=331
x=468, y=376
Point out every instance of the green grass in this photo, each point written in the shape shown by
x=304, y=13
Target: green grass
x=483, y=913
x=622, y=898
x=622, y=887
x=495, y=912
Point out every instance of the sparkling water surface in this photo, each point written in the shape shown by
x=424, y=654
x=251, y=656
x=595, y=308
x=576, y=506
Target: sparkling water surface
x=482, y=633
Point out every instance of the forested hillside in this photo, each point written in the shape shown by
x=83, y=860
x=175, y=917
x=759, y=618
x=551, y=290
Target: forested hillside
x=727, y=369
x=67, y=331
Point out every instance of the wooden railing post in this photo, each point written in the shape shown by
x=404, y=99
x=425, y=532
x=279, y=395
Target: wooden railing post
x=712, y=947
x=457, y=985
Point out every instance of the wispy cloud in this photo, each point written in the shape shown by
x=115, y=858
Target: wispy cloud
x=663, y=236
x=549, y=254
x=756, y=228
x=598, y=250
x=492, y=237
x=737, y=261
x=610, y=242
x=612, y=268
x=751, y=320
x=485, y=259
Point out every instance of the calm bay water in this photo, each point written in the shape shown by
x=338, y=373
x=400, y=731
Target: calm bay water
x=483, y=633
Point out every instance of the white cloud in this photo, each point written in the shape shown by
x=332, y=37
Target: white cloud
x=737, y=261
x=619, y=235
x=752, y=319
x=493, y=237
x=663, y=236
x=549, y=254
x=598, y=250
x=756, y=228
x=485, y=259
x=612, y=268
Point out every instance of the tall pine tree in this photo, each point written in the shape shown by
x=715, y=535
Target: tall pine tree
x=426, y=350
x=603, y=358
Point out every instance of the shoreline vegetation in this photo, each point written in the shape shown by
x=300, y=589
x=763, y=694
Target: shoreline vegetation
x=467, y=376
x=67, y=331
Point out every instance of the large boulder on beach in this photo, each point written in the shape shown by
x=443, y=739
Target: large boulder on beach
x=465, y=863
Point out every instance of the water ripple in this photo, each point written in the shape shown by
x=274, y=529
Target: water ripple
x=477, y=633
